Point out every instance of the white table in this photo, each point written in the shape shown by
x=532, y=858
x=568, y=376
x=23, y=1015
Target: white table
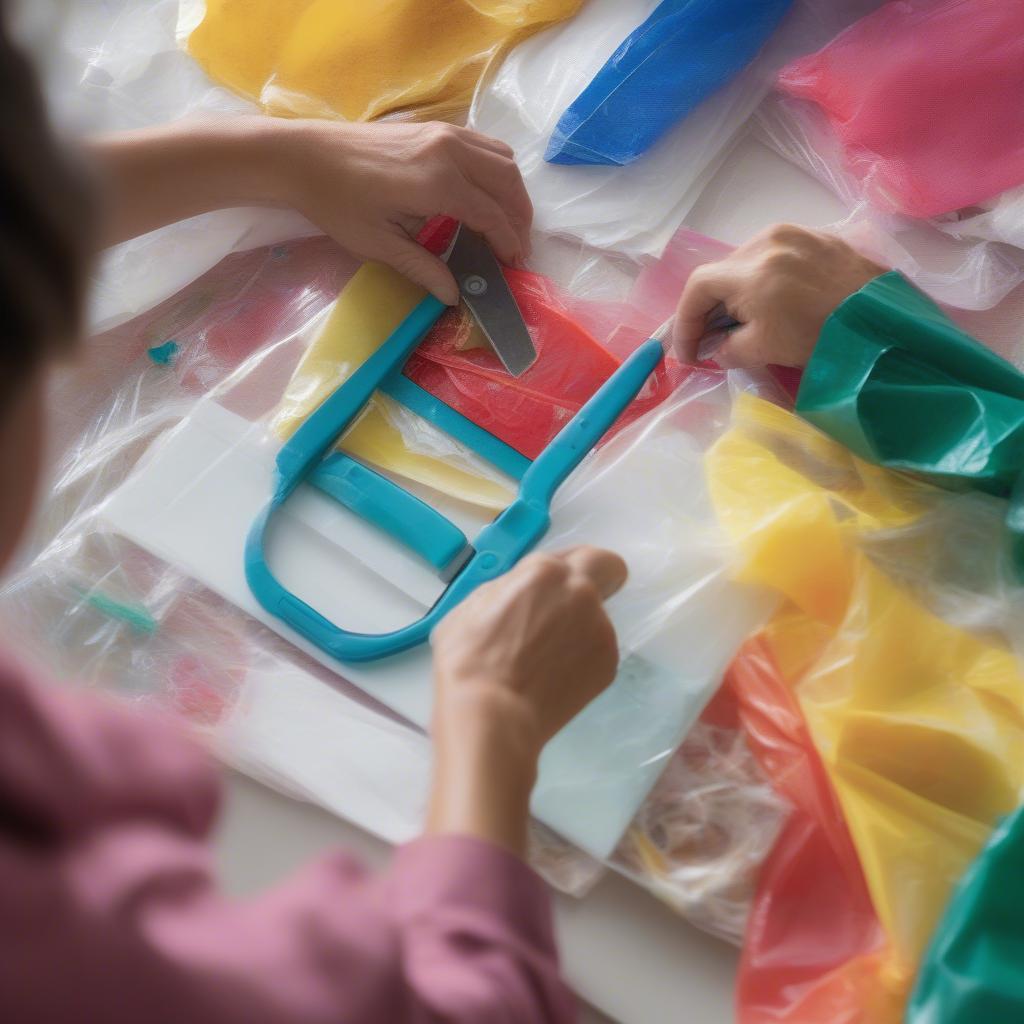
x=626, y=954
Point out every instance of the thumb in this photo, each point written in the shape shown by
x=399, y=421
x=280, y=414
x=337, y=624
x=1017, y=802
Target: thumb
x=421, y=267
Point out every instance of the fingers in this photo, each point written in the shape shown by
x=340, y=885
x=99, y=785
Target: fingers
x=606, y=570
x=486, y=142
x=421, y=267
x=480, y=212
x=706, y=288
x=499, y=177
x=743, y=349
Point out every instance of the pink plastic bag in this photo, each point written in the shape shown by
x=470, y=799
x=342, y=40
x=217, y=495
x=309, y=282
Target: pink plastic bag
x=927, y=99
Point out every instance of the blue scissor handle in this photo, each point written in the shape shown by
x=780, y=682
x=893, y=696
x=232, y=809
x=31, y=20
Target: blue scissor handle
x=497, y=548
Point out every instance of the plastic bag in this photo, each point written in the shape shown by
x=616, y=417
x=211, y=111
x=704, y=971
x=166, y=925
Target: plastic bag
x=682, y=54
x=936, y=126
x=922, y=740
x=635, y=209
x=320, y=58
x=972, y=970
x=898, y=383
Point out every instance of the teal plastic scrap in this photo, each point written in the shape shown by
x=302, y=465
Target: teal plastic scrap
x=165, y=354
x=897, y=382
x=972, y=972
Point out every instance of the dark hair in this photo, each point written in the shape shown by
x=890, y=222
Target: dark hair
x=47, y=229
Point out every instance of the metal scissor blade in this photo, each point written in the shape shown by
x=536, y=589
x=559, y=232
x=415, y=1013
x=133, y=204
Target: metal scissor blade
x=485, y=291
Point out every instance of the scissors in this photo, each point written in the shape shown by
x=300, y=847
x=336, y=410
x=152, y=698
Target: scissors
x=308, y=457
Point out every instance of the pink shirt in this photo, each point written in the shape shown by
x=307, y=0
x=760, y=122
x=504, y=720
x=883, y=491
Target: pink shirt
x=109, y=910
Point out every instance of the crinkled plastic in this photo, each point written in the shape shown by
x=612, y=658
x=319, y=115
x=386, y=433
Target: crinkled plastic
x=972, y=971
x=917, y=721
x=814, y=949
x=699, y=840
x=683, y=53
x=637, y=208
x=898, y=383
x=362, y=61
x=936, y=126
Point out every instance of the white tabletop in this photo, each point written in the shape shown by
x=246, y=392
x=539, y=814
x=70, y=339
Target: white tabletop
x=626, y=953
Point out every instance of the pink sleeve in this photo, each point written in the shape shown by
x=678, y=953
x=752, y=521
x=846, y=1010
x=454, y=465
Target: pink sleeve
x=109, y=910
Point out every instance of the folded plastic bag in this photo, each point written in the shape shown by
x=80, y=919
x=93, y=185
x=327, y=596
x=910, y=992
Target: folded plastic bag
x=972, y=970
x=917, y=720
x=898, y=383
x=682, y=54
x=633, y=209
x=936, y=126
x=361, y=61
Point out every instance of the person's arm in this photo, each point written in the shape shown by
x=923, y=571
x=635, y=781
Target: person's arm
x=369, y=186
x=782, y=286
x=106, y=871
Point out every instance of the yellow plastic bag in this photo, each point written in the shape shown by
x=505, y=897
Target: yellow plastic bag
x=362, y=60
x=920, y=723
x=371, y=306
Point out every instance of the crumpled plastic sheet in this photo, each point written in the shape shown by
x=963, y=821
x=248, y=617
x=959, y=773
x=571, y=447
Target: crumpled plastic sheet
x=699, y=841
x=634, y=209
x=683, y=53
x=972, y=970
x=894, y=380
x=922, y=741
x=319, y=58
x=116, y=66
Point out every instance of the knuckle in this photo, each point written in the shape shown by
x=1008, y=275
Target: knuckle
x=543, y=567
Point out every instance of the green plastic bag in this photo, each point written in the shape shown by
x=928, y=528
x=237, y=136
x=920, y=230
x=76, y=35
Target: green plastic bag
x=972, y=973
x=897, y=382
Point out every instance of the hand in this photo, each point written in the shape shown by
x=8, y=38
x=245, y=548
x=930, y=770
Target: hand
x=512, y=665
x=370, y=186
x=782, y=287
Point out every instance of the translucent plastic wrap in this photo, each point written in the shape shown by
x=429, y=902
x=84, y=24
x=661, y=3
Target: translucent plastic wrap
x=637, y=208
x=682, y=54
x=916, y=719
x=319, y=58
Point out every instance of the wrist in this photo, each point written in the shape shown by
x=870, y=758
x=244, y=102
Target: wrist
x=485, y=765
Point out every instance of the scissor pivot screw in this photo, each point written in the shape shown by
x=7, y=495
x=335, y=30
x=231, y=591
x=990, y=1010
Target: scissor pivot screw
x=474, y=285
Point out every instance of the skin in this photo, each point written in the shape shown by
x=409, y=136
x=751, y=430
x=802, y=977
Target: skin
x=525, y=654
x=782, y=286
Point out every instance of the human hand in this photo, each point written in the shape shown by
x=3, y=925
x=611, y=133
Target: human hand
x=512, y=665
x=370, y=186
x=782, y=286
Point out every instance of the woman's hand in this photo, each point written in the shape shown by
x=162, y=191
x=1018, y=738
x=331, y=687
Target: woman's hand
x=512, y=665
x=782, y=287
x=371, y=186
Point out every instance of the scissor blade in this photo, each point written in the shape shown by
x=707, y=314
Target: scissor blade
x=485, y=291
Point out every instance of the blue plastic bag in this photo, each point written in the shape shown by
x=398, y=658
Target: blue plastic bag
x=685, y=51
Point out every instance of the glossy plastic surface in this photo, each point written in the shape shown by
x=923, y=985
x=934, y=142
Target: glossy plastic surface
x=897, y=382
x=682, y=54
